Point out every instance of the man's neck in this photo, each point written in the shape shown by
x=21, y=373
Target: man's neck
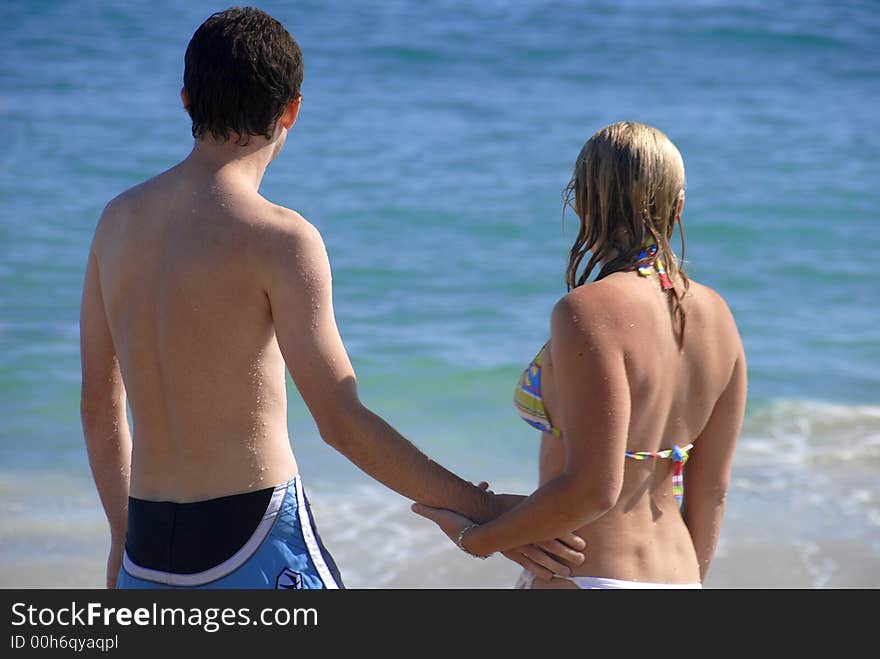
x=227, y=159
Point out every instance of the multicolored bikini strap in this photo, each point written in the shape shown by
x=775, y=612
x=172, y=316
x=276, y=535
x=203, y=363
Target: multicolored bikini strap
x=679, y=456
x=648, y=263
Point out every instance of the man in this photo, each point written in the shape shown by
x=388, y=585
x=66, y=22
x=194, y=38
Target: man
x=198, y=293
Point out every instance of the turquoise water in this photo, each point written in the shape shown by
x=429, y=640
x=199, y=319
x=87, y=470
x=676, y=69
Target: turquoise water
x=431, y=151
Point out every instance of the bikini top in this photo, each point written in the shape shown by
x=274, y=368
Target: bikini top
x=529, y=403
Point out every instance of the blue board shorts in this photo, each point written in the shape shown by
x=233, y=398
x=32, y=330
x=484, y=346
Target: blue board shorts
x=277, y=546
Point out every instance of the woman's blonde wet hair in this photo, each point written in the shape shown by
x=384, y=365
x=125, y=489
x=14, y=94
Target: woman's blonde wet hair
x=627, y=185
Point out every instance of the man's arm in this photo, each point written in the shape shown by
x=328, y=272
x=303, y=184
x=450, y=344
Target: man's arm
x=300, y=295
x=104, y=420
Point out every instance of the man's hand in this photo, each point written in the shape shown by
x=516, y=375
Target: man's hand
x=450, y=522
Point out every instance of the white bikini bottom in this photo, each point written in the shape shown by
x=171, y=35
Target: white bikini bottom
x=603, y=583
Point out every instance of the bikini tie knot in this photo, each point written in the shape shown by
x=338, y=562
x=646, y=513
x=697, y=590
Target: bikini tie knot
x=678, y=455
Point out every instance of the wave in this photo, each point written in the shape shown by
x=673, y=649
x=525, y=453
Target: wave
x=812, y=433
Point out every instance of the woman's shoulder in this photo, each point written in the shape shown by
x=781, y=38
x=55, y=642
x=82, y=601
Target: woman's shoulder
x=603, y=298
x=602, y=307
x=707, y=310
x=707, y=297
x=592, y=309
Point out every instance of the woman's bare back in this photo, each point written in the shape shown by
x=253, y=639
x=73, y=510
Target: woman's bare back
x=672, y=395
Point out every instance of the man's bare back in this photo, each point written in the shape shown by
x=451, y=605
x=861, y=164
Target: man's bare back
x=182, y=261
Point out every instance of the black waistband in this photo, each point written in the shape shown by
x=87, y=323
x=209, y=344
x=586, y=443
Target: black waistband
x=185, y=538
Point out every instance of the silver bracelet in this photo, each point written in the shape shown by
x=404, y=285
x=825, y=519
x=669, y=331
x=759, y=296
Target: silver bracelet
x=460, y=541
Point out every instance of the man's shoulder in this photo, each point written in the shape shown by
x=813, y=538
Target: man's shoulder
x=283, y=221
x=124, y=204
x=284, y=228
x=286, y=242
x=145, y=189
x=115, y=213
x=290, y=253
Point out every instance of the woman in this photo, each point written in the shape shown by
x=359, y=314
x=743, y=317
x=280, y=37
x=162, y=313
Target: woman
x=644, y=371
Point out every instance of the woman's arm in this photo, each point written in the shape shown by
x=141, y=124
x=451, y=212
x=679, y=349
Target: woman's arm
x=707, y=472
x=594, y=415
x=543, y=559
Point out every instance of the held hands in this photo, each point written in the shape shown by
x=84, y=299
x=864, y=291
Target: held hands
x=543, y=559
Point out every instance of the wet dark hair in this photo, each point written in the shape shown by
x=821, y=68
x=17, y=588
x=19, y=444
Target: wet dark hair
x=241, y=69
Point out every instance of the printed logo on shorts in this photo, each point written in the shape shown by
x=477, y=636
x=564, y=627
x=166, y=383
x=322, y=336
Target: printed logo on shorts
x=289, y=580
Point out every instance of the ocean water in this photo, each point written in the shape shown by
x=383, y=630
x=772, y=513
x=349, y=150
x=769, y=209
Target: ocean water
x=433, y=145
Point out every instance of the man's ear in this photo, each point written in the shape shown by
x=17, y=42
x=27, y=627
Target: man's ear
x=184, y=97
x=291, y=112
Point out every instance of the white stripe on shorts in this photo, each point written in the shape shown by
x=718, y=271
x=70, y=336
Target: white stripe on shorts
x=311, y=542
